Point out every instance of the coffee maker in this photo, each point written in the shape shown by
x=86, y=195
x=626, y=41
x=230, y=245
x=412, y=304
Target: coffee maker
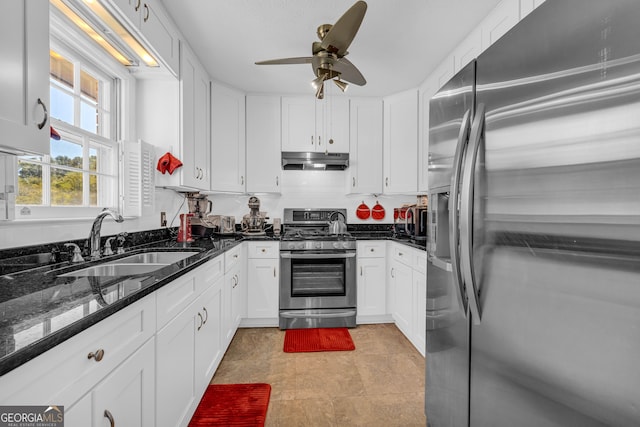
x=254, y=222
x=200, y=206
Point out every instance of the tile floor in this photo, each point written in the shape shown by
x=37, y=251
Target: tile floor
x=380, y=383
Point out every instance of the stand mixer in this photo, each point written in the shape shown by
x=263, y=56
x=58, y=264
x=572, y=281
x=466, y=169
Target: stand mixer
x=254, y=222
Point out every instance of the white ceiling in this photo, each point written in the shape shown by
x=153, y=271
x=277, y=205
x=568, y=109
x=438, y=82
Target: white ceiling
x=399, y=42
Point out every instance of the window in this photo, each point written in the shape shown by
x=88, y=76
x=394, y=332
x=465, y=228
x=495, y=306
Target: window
x=81, y=171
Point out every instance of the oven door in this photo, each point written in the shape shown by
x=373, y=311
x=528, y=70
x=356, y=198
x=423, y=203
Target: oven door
x=317, y=279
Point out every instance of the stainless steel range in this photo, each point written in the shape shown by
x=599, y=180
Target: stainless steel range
x=318, y=271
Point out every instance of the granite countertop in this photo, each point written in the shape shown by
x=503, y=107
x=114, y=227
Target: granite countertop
x=40, y=309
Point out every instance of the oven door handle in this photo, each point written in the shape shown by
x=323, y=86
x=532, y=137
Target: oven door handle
x=291, y=255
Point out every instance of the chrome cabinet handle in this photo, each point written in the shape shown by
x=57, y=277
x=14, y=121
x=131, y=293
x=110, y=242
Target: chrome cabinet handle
x=466, y=213
x=454, y=218
x=201, y=321
x=386, y=182
x=311, y=139
x=146, y=12
x=319, y=140
x=206, y=314
x=361, y=270
x=353, y=179
x=274, y=272
x=46, y=114
x=137, y=5
x=277, y=181
x=97, y=356
x=241, y=180
x=392, y=275
x=107, y=415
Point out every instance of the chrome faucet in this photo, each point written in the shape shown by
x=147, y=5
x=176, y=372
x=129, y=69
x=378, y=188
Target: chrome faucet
x=94, y=236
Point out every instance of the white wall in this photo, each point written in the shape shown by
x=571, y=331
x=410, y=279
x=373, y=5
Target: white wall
x=309, y=189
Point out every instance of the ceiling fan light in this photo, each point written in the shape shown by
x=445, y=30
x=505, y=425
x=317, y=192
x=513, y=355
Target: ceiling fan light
x=342, y=85
x=317, y=82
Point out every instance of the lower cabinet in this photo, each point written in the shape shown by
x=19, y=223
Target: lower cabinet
x=188, y=351
x=234, y=292
x=372, y=288
x=263, y=280
x=407, y=292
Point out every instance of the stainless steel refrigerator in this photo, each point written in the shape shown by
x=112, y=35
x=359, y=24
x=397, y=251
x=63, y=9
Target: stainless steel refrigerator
x=533, y=273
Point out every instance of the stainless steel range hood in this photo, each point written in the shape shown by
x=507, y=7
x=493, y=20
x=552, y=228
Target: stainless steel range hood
x=314, y=161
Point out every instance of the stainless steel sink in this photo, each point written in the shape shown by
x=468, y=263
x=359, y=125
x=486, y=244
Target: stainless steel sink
x=154, y=258
x=114, y=270
x=133, y=265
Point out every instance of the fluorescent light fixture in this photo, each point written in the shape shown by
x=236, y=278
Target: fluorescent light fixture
x=88, y=30
x=121, y=32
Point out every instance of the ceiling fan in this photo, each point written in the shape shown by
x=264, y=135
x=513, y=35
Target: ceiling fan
x=328, y=60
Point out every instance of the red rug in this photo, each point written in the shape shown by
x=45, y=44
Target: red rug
x=317, y=339
x=233, y=405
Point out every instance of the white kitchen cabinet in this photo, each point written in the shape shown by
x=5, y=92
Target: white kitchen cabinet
x=400, y=143
x=365, y=146
x=263, y=144
x=263, y=279
x=227, y=139
x=467, y=50
x=149, y=20
x=427, y=90
x=401, y=283
x=234, y=295
x=73, y=375
x=527, y=6
x=309, y=124
x=126, y=396
x=419, y=327
x=190, y=346
x=24, y=59
x=371, y=265
x=500, y=20
x=194, y=121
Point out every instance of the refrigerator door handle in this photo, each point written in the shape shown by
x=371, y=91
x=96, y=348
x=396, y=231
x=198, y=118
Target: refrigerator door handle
x=466, y=213
x=454, y=218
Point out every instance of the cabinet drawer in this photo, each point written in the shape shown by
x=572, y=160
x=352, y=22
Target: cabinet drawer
x=371, y=249
x=420, y=261
x=212, y=270
x=66, y=372
x=402, y=254
x=175, y=297
x=263, y=249
x=232, y=257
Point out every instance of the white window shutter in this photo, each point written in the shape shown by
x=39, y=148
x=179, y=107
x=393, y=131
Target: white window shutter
x=138, y=184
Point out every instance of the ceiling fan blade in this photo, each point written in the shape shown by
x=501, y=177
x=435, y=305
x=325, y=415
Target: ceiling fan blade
x=344, y=30
x=299, y=60
x=349, y=72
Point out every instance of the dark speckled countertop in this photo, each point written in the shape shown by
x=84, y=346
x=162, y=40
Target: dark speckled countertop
x=39, y=309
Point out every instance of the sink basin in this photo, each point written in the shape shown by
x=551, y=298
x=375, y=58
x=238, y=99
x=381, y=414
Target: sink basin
x=154, y=258
x=114, y=270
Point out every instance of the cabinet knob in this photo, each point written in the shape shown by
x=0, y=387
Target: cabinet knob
x=107, y=415
x=331, y=141
x=264, y=250
x=97, y=356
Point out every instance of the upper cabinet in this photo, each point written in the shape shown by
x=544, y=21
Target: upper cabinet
x=24, y=59
x=194, y=121
x=227, y=139
x=151, y=21
x=315, y=125
x=500, y=20
x=400, y=143
x=527, y=6
x=365, y=149
x=263, y=144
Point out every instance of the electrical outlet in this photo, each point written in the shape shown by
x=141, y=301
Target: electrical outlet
x=163, y=219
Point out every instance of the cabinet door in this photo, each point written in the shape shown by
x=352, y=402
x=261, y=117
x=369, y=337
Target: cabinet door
x=175, y=373
x=24, y=56
x=298, y=123
x=371, y=286
x=239, y=298
x=160, y=33
x=402, y=287
x=194, y=121
x=130, y=9
x=227, y=139
x=263, y=144
x=401, y=143
x=365, y=146
x=209, y=343
x=232, y=281
x=419, y=311
x=332, y=124
x=262, y=288
x=127, y=394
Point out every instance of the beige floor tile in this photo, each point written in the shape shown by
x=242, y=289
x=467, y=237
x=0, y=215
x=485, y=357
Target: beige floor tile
x=381, y=383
